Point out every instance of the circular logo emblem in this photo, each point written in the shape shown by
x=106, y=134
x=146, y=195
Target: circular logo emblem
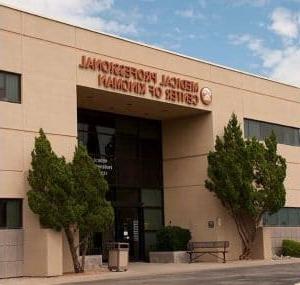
x=206, y=96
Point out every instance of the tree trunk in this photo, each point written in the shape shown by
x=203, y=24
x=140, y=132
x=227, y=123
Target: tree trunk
x=247, y=229
x=247, y=248
x=83, y=253
x=70, y=237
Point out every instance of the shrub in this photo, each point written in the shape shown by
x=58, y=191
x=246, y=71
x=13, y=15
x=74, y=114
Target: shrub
x=291, y=248
x=172, y=238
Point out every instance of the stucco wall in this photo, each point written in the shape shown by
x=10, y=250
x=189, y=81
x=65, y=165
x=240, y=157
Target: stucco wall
x=11, y=253
x=278, y=234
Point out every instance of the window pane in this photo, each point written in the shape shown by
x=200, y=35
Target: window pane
x=126, y=146
x=246, y=128
x=128, y=172
x=294, y=217
x=150, y=173
x=12, y=88
x=150, y=241
x=271, y=220
x=254, y=129
x=284, y=134
x=127, y=126
x=297, y=137
x=150, y=149
x=288, y=136
x=105, y=130
x=2, y=86
x=265, y=130
x=283, y=217
x=106, y=144
x=93, y=145
x=82, y=127
x=127, y=195
x=149, y=129
x=151, y=197
x=152, y=219
x=279, y=131
x=83, y=137
x=13, y=212
x=2, y=214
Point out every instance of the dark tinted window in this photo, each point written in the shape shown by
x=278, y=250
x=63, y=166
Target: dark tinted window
x=261, y=130
x=128, y=152
x=2, y=214
x=152, y=197
x=285, y=217
x=10, y=213
x=10, y=87
x=130, y=146
x=152, y=219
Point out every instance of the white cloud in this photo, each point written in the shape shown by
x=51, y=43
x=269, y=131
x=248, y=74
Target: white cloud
x=285, y=23
x=86, y=13
x=283, y=62
x=288, y=68
x=270, y=57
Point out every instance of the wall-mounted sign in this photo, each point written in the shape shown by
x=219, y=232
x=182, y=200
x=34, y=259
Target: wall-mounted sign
x=104, y=164
x=206, y=96
x=211, y=224
x=135, y=230
x=129, y=79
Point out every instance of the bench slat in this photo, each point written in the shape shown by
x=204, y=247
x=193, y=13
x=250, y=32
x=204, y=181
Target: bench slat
x=199, y=249
x=208, y=244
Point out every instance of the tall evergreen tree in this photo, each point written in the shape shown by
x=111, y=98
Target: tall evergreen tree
x=68, y=196
x=247, y=177
x=90, y=188
x=51, y=182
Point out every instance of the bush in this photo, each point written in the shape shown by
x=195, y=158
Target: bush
x=291, y=248
x=172, y=238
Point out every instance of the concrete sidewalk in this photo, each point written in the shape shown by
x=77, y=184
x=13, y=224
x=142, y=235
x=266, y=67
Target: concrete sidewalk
x=142, y=269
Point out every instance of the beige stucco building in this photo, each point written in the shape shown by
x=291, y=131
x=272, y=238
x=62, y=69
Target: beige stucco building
x=147, y=122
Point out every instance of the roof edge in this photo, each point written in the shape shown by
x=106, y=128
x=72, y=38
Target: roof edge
x=27, y=11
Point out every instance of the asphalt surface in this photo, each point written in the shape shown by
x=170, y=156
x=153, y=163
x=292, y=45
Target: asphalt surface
x=271, y=274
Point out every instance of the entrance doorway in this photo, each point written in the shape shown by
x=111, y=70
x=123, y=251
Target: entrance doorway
x=128, y=229
x=128, y=151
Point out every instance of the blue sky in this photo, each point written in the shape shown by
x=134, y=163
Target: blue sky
x=257, y=36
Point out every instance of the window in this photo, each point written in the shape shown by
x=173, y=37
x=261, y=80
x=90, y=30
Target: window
x=285, y=217
x=10, y=213
x=261, y=130
x=132, y=146
x=10, y=87
x=152, y=197
x=152, y=219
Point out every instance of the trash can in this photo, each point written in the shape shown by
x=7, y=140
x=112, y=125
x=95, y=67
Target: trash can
x=118, y=256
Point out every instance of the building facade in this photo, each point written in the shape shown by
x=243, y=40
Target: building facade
x=148, y=118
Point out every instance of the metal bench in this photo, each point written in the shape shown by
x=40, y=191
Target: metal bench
x=197, y=249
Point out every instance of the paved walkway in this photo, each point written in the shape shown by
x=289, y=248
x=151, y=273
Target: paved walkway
x=279, y=274
x=143, y=269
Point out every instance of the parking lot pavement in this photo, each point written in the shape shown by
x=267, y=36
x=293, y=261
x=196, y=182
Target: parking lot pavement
x=283, y=274
x=283, y=271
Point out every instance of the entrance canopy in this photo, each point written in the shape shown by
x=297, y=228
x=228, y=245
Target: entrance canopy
x=105, y=101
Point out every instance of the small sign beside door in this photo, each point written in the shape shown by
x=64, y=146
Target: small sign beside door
x=135, y=230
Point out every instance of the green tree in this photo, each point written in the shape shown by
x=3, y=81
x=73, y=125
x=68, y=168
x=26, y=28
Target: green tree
x=68, y=196
x=90, y=188
x=247, y=176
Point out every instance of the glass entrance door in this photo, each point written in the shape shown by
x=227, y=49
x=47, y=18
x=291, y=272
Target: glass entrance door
x=128, y=230
x=128, y=152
